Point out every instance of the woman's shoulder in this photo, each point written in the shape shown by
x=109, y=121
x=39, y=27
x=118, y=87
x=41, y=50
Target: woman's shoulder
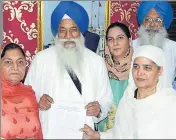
x=27, y=90
x=29, y=96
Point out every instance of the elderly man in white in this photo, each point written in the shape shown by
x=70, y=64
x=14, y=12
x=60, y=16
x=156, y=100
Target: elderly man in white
x=51, y=69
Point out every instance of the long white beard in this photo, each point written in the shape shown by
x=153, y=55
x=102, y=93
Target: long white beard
x=152, y=36
x=70, y=55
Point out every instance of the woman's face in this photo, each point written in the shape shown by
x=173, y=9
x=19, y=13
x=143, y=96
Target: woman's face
x=13, y=66
x=145, y=73
x=118, y=42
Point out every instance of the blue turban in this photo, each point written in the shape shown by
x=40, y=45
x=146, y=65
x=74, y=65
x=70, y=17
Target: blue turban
x=163, y=8
x=75, y=11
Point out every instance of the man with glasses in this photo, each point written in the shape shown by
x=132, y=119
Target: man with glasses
x=155, y=18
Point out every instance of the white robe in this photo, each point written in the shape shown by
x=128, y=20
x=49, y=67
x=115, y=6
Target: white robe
x=149, y=118
x=169, y=48
x=152, y=117
x=42, y=76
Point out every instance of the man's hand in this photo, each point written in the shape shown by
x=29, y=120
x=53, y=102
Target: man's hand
x=89, y=133
x=93, y=109
x=45, y=102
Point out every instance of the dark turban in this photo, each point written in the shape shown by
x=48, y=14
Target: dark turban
x=91, y=40
x=75, y=11
x=163, y=8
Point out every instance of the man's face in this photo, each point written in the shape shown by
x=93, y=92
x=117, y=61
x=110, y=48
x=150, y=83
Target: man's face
x=69, y=44
x=68, y=29
x=152, y=31
x=153, y=20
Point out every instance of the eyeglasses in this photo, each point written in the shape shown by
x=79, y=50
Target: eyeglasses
x=157, y=21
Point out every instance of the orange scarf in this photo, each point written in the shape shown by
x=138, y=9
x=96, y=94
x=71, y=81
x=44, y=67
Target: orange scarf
x=118, y=70
x=20, y=114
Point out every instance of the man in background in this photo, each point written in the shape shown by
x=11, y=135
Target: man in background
x=155, y=17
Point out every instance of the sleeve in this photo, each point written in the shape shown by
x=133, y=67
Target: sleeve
x=115, y=132
x=31, y=78
x=104, y=92
x=112, y=133
x=108, y=122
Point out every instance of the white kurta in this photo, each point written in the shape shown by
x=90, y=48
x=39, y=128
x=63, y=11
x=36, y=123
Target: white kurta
x=169, y=48
x=149, y=118
x=42, y=76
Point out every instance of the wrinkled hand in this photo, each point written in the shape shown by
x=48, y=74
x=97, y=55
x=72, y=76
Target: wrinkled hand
x=45, y=102
x=93, y=109
x=89, y=133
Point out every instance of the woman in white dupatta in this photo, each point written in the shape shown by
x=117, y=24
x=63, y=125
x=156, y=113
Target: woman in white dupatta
x=147, y=109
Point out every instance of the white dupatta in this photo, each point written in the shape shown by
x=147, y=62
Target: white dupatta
x=151, y=117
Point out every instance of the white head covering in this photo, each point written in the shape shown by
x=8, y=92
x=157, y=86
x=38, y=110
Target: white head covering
x=156, y=55
x=140, y=118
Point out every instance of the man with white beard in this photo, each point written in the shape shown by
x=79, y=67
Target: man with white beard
x=69, y=52
x=68, y=70
x=155, y=17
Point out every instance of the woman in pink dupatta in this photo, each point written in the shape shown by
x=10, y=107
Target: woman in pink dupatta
x=20, y=114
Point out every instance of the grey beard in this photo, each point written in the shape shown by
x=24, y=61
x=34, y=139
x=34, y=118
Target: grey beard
x=70, y=56
x=151, y=36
